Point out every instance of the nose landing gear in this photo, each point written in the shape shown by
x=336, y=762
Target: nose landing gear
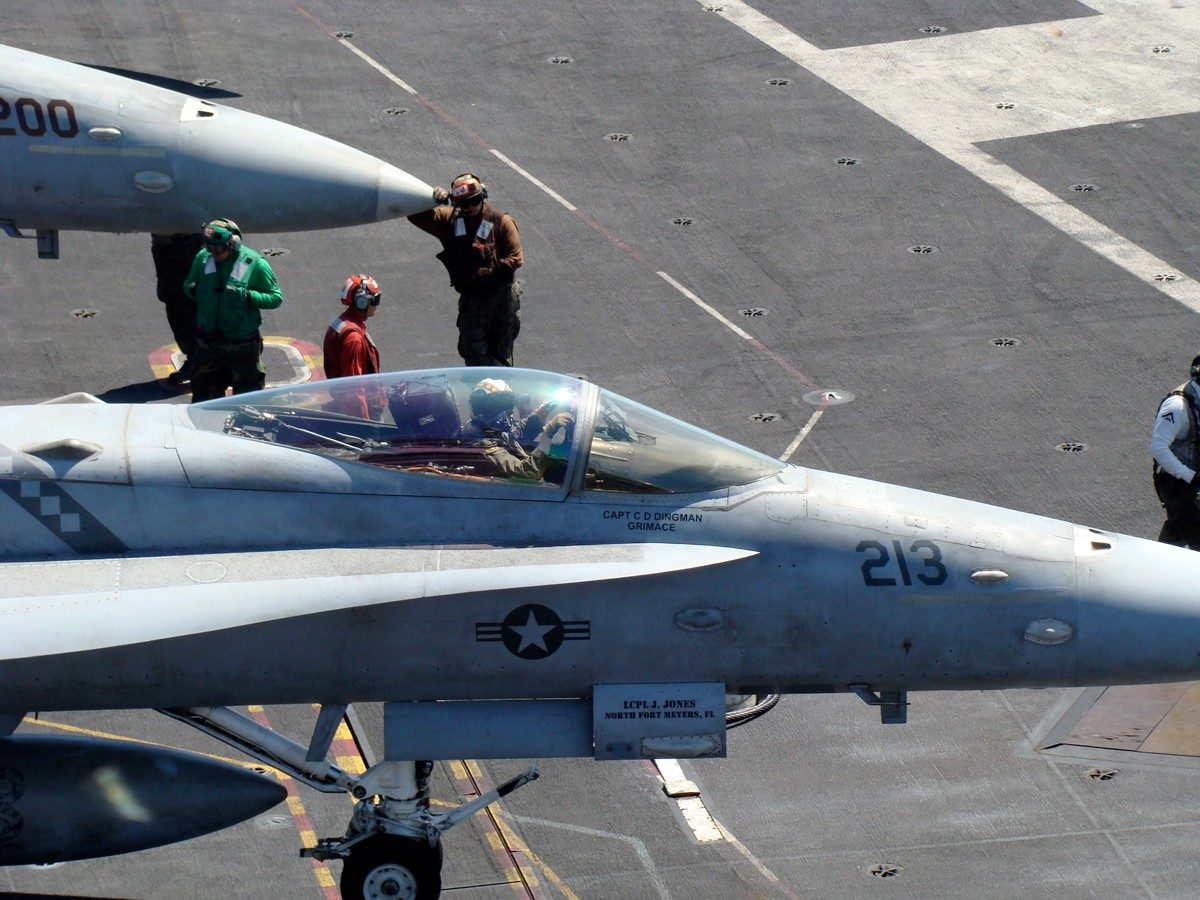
x=393, y=847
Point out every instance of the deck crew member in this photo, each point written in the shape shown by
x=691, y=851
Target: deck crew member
x=230, y=284
x=481, y=251
x=173, y=255
x=1176, y=462
x=349, y=350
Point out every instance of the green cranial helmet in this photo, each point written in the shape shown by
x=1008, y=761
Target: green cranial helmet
x=222, y=233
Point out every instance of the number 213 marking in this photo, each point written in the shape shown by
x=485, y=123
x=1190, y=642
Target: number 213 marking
x=931, y=563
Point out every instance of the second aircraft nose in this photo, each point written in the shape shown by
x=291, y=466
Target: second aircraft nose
x=400, y=194
x=271, y=176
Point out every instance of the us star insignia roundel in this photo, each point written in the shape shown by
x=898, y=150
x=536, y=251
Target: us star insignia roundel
x=532, y=631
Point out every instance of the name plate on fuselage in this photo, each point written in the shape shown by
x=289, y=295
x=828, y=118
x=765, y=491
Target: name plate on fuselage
x=647, y=721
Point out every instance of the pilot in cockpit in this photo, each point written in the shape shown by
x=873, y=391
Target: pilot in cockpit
x=496, y=426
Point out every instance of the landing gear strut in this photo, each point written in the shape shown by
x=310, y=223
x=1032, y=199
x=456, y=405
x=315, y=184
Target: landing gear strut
x=393, y=847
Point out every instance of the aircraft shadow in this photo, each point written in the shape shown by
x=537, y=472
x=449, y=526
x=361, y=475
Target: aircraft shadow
x=141, y=392
x=172, y=84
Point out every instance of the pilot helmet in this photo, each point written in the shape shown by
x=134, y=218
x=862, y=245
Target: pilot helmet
x=222, y=233
x=492, y=400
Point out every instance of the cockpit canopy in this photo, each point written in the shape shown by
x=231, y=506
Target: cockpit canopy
x=510, y=425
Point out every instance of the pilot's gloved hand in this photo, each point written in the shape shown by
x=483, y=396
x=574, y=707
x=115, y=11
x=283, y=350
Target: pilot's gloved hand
x=555, y=432
x=441, y=195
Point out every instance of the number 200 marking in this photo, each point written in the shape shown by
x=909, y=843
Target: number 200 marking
x=32, y=118
x=931, y=563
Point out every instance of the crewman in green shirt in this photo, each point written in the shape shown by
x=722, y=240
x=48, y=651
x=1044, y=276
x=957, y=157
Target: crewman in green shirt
x=230, y=284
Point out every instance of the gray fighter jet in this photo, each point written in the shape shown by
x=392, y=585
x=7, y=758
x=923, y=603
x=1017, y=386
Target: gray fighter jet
x=90, y=150
x=517, y=564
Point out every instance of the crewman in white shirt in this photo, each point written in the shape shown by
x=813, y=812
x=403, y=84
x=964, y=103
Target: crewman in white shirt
x=1176, y=461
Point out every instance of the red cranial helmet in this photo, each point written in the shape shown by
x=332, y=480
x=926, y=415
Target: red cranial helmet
x=361, y=291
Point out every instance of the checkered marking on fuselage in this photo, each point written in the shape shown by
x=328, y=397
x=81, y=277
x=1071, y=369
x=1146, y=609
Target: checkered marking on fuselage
x=59, y=512
x=49, y=507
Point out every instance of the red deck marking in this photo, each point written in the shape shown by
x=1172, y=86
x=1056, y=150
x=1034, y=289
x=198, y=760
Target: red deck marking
x=162, y=359
x=304, y=826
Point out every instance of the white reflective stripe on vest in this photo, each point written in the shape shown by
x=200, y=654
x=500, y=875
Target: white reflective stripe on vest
x=238, y=273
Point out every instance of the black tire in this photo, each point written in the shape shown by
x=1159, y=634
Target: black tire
x=386, y=863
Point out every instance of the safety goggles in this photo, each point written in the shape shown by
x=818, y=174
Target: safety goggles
x=215, y=248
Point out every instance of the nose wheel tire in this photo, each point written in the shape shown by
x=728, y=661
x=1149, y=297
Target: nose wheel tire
x=386, y=867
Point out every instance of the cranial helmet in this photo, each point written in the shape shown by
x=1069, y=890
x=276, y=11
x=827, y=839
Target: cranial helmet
x=361, y=291
x=222, y=233
x=466, y=188
x=492, y=399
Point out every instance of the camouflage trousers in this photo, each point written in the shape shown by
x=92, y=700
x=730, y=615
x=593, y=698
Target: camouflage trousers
x=488, y=325
x=222, y=363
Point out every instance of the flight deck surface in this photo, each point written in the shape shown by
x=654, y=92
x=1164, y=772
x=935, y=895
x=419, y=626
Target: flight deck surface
x=978, y=220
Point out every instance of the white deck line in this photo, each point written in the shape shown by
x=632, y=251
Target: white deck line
x=943, y=92
x=704, y=306
x=378, y=67
x=554, y=195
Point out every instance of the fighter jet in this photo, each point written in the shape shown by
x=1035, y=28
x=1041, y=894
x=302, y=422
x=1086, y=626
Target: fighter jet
x=517, y=564
x=90, y=150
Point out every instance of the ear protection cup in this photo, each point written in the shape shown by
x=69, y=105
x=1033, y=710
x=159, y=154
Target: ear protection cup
x=359, y=292
x=235, y=238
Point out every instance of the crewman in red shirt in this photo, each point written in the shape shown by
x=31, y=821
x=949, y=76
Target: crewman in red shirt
x=349, y=350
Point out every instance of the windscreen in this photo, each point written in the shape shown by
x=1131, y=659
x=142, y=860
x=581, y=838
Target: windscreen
x=639, y=450
x=509, y=425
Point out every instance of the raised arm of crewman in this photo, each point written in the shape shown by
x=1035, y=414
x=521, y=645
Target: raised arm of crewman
x=440, y=222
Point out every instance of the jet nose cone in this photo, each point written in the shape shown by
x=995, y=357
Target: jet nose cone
x=1139, y=613
x=400, y=194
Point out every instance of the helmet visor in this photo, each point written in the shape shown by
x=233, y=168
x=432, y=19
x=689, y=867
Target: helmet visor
x=466, y=193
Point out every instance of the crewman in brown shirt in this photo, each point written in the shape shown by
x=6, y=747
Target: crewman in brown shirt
x=481, y=250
